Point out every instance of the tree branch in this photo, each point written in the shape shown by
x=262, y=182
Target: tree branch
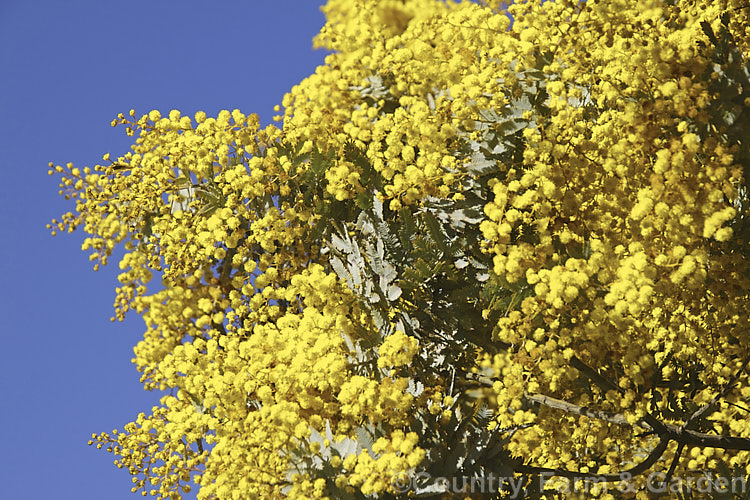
x=703, y=410
x=642, y=467
x=649, y=422
x=558, y=404
x=604, y=383
x=680, y=434
x=666, y=432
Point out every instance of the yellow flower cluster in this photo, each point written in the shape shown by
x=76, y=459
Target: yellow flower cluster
x=374, y=475
x=413, y=49
x=397, y=350
x=156, y=460
x=610, y=228
x=385, y=400
x=247, y=331
x=343, y=180
x=614, y=224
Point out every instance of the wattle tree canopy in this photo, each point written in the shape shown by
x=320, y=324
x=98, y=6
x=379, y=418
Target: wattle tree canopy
x=483, y=241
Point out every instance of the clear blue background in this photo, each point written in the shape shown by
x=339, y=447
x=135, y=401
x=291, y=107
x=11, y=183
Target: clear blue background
x=66, y=70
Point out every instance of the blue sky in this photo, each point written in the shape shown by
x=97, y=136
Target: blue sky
x=68, y=68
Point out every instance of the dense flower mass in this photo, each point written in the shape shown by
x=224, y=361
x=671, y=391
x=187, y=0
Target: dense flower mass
x=484, y=241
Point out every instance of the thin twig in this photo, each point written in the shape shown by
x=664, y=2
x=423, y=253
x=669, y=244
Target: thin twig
x=674, y=463
x=593, y=375
x=701, y=412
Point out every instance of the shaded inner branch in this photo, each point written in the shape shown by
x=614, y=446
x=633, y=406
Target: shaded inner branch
x=667, y=432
